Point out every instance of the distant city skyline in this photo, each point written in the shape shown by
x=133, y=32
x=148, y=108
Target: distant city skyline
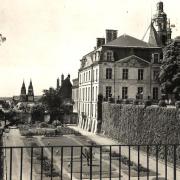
x=47, y=38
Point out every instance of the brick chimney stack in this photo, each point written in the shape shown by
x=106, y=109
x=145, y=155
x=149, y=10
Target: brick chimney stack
x=111, y=35
x=100, y=42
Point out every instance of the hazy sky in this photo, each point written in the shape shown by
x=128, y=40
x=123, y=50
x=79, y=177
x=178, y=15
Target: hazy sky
x=46, y=38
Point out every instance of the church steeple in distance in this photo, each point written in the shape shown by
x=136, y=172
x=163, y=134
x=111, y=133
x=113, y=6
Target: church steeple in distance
x=30, y=92
x=23, y=92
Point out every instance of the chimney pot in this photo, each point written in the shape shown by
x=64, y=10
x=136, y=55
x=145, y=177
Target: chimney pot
x=100, y=42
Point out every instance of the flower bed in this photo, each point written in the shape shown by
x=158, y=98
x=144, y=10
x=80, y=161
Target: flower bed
x=60, y=130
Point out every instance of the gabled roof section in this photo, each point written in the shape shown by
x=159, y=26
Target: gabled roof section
x=133, y=58
x=153, y=36
x=128, y=41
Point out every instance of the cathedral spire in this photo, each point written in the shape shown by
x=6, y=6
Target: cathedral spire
x=23, y=92
x=30, y=92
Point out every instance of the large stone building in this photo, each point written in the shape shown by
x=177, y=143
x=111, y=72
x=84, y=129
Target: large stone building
x=121, y=67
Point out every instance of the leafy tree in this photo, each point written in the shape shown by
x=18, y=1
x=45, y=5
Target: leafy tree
x=52, y=100
x=37, y=113
x=170, y=73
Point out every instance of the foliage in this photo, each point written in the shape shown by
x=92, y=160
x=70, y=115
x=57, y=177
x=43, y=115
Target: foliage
x=177, y=104
x=132, y=124
x=43, y=125
x=136, y=102
x=37, y=113
x=52, y=100
x=56, y=123
x=148, y=103
x=162, y=103
x=169, y=74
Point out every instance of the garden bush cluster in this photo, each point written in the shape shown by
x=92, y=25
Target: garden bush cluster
x=59, y=130
x=132, y=124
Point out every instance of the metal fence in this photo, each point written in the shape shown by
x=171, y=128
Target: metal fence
x=91, y=162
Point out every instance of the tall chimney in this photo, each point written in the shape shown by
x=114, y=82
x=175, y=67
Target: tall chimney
x=110, y=35
x=100, y=42
x=62, y=79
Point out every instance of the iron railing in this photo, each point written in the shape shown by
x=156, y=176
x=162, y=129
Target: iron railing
x=91, y=162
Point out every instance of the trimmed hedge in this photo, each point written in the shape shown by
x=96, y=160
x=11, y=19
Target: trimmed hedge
x=134, y=124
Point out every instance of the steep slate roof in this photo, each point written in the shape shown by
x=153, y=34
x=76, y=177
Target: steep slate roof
x=129, y=41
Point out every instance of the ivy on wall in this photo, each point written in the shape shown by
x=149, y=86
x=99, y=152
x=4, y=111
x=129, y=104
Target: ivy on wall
x=132, y=124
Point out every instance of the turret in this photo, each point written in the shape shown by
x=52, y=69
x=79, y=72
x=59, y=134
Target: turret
x=163, y=26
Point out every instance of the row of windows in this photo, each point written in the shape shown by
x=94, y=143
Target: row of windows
x=125, y=92
x=108, y=56
x=85, y=93
x=86, y=76
x=86, y=109
x=125, y=74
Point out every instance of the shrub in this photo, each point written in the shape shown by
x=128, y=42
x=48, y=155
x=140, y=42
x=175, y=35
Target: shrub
x=27, y=133
x=119, y=101
x=148, y=103
x=56, y=123
x=43, y=125
x=131, y=124
x=111, y=100
x=162, y=103
x=126, y=101
x=136, y=102
x=39, y=157
x=177, y=104
x=54, y=174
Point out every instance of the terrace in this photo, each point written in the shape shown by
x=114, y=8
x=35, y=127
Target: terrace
x=64, y=157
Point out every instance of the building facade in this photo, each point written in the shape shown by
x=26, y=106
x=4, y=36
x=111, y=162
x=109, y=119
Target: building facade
x=121, y=67
x=75, y=94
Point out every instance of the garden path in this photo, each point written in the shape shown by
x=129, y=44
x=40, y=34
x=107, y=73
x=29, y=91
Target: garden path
x=54, y=158
x=134, y=155
x=13, y=138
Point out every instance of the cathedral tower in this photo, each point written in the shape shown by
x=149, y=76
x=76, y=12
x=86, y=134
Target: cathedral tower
x=23, y=93
x=30, y=95
x=162, y=24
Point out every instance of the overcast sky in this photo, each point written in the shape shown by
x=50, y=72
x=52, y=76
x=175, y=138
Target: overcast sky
x=46, y=38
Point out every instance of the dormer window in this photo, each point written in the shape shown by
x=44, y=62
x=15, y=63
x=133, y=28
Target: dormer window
x=108, y=56
x=155, y=57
